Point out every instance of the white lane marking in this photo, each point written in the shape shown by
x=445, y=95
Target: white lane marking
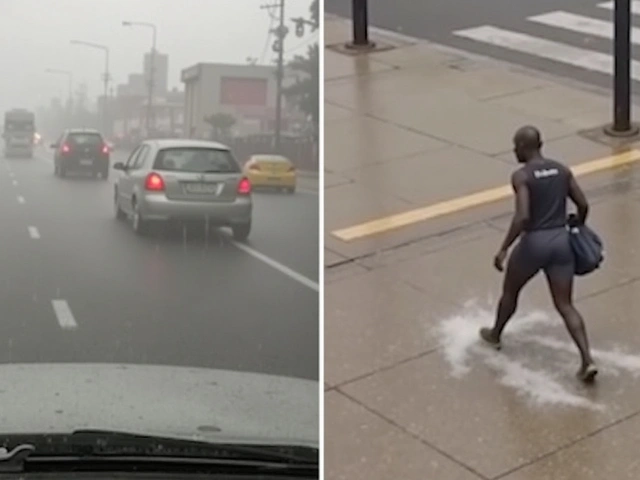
x=550, y=50
x=15, y=183
x=20, y=199
x=581, y=24
x=34, y=233
x=635, y=6
x=64, y=314
x=278, y=266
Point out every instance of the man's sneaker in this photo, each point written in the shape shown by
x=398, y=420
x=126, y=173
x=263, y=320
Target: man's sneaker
x=588, y=374
x=486, y=335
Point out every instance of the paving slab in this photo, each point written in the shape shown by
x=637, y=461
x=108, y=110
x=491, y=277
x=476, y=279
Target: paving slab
x=603, y=456
x=334, y=113
x=556, y=102
x=425, y=178
x=331, y=258
x=389, y=316
x=571, y=150
x=342, y=271
x=361, y=142
x=338, y=66
x=364, y=446
x=480, y=420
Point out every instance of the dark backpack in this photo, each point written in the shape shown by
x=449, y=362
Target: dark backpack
x=587, y=247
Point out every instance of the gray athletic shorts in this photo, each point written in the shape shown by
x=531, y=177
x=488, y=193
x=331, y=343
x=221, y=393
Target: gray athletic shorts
x=547, y=250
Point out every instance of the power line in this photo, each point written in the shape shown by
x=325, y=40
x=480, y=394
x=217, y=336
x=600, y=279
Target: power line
x=302, y=44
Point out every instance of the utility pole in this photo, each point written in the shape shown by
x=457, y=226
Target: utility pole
x=280, y=32
x=622, y=126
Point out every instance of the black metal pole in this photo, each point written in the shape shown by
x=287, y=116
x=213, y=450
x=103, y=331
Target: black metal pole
x=360, y=17
x=622, y=74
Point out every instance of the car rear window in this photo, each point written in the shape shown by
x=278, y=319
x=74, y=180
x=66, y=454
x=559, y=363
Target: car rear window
x=91, y=139
x=197, y=160
x=270, y=159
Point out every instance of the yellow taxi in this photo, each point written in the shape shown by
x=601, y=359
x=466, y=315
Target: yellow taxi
x=271, y=171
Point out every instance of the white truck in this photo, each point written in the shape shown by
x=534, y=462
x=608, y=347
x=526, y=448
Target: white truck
x=19, y=133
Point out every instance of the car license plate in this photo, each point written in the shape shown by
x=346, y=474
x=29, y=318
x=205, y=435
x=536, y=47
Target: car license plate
x=201, y=188
x=86, y=162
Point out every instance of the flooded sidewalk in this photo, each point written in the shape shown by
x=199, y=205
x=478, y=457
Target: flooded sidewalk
x=417, y=158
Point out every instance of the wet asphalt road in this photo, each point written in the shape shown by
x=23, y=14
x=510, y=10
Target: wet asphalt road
x=79, y=286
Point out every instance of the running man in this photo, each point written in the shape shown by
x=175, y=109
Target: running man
x=541, y=189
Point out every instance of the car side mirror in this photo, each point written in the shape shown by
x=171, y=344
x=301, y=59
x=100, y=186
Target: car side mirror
x=119, y=166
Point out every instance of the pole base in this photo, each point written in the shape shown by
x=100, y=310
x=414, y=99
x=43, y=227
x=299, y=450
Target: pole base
x=360, y=47
x=631, y=132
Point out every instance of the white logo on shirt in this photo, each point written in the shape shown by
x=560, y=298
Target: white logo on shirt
x=545, y=172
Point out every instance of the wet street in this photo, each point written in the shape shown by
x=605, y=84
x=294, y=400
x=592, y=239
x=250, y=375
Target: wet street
x=80, y=286
x=418, y=157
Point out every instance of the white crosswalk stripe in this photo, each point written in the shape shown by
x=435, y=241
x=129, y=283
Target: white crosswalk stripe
x=635, y=6
x=577, y=56
x=543, y=48
x=581, y=24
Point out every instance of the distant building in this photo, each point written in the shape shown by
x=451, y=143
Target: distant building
x=161, y=69
x=247, y=92
x=135, y=87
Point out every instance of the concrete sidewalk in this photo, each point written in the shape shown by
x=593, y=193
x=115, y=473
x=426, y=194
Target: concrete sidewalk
x=409, y=393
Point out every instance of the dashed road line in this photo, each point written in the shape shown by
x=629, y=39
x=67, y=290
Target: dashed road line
x=64, y=315
x=307, y=282
x=15, y=183
x=21, y=199
x=34, y=233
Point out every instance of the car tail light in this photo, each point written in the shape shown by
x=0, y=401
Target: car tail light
x=254, y=166
x=154, y=183
x=244, y=187
x=65, y=148
x=105, y=149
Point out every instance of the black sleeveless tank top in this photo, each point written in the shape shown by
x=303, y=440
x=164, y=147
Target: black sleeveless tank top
x=548, y=184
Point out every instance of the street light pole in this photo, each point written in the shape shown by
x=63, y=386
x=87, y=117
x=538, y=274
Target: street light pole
x=152, y=68
x=106, y=78
x=360, y=20
x=622, y=126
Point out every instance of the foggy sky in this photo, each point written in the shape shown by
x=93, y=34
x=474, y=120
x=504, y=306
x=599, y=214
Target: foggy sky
x=35, y=36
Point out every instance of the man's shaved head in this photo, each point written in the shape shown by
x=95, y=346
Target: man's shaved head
x=527, y=142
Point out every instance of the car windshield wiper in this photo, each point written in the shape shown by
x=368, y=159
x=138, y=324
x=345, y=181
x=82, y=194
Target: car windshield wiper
x=106, y=444
x=155, y=445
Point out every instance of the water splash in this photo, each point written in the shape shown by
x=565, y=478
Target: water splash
x=517, y=369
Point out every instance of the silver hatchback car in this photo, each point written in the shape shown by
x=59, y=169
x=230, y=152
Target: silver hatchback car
x=183, y=180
